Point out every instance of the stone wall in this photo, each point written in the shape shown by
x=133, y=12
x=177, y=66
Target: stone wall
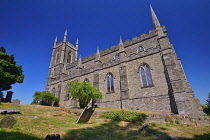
x=170, y=90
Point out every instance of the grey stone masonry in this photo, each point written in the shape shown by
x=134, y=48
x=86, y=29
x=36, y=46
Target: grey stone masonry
x=143, y=73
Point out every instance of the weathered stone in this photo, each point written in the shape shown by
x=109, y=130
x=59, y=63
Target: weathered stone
x=10, y=112
x=15, y=102
x=85, y=115
x=8, y=121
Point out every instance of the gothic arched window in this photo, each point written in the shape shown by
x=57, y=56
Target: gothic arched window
x=86, y=80
x=146, y=76
x=69, y=57
x=53, y=91
x=117, y=57
x=110, y=82
x=140, y=49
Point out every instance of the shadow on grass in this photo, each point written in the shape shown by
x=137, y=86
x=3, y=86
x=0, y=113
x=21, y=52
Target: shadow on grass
x=107, y=131
x=205, y=136
x=16, y=136
x=114, y=131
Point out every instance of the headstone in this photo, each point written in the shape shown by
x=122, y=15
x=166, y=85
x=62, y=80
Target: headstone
x=52, y=137
x=85, y=115
x=142, y=130
x=15, y=102
x=8, y=121
x=8, y=96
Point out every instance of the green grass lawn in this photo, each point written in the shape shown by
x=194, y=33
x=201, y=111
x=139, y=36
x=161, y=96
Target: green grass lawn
x=36, y=122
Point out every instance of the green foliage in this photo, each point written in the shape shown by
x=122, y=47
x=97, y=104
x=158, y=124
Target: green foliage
x=206, y=108
x=208, y=100
x=124, y=116
x=84, y=92
x=10, y=73
x=44, y=98
x=177, y=121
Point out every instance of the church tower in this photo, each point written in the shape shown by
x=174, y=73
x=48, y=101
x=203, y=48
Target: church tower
x=63, y=54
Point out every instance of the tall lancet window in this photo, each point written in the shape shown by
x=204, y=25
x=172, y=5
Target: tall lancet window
x=145, y=74
x=54, y=91
x=57, y=58
x=110, y=82
x=69, y=57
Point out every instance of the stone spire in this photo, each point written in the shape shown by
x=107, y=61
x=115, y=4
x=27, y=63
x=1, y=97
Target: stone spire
x=121, y=39
x=76, y=52
x=154, y=18
x=121, y=45
x=55, y=42
x=97, y=54
x=65, y=36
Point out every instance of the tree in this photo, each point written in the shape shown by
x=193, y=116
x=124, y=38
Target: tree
x=10, y=73
x=208, y=101
x=1, y=96
x=206, y=107
x=84, y=92
x=44, y=98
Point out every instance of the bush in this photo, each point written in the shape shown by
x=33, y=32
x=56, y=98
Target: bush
x=177, y=121
x=44, y=98
x=206, y=109
x=124, y=116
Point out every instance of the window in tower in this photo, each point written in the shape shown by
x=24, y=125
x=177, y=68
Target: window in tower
x=117, y=57
x=69, y=57
x=57, y=58
x=140, y=49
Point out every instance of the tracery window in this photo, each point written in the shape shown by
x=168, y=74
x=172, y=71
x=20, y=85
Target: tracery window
x=140, y=49
x=69, y=57
x=145, y=74
x=110, y=82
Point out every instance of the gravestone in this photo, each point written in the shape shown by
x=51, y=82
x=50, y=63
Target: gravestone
x=8, y=96
x=52, y=137
x=85, y=115
x=8, y=121
x=15, y=102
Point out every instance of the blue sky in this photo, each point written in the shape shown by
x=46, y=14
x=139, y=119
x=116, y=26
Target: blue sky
x=28, y=29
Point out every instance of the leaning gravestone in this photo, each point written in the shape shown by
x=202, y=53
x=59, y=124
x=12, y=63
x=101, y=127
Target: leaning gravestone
x=15, y=102
x=85, y=115
x=8, y=121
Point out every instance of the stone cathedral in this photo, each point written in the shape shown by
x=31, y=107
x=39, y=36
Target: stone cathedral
x=143, y=73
